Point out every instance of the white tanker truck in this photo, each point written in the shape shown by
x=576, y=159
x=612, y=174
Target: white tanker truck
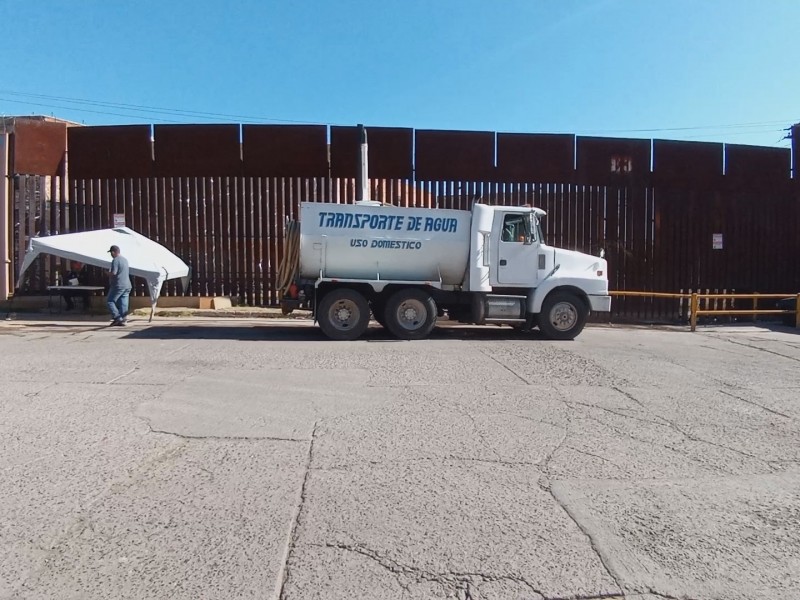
x=408, y=266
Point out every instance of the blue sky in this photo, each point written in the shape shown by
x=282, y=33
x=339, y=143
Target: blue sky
x=716, y=70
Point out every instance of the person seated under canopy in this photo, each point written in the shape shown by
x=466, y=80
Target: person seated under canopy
x=76, y=275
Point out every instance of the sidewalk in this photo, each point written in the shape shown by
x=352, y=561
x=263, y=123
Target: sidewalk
x=243, y=312
x=101, y=314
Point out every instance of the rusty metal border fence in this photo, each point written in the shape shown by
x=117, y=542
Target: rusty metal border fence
x=221, y=203
x=230, y=230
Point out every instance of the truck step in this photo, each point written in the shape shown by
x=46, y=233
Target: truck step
x=505, y=320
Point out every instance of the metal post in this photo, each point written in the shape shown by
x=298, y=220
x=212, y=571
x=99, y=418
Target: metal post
x=797, y=312
x=6, y=231
x=693, y=319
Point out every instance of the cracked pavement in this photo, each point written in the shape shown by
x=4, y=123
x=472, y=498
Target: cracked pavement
x=210, y=458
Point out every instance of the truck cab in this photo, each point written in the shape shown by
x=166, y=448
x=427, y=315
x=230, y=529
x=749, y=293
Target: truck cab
x=517, y=275
x=518, y=236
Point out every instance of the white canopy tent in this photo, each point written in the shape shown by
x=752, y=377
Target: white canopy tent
x=146, y=258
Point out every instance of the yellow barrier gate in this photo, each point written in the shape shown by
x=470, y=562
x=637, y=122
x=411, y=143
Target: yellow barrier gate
x=696, y=311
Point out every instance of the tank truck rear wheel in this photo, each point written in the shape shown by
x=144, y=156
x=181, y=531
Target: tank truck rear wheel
x=410, y=314
x=343, y=314
x=563, y=316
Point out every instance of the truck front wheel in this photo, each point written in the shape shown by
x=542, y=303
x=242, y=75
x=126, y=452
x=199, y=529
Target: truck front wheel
x=563, y=316
x=343, y=314
x=410, y=314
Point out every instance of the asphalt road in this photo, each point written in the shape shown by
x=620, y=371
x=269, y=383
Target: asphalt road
x=197, y=458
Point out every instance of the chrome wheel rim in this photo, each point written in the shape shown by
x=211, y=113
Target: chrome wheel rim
x=344, y=314
x=411, y=314
x=563, y=316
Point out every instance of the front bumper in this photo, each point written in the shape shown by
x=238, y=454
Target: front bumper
x=600, y=303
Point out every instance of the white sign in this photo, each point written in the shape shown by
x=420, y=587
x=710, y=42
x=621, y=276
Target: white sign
x=716, y=241
x=119, y=219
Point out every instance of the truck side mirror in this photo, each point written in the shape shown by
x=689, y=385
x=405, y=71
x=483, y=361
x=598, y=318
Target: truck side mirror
x=530, y=229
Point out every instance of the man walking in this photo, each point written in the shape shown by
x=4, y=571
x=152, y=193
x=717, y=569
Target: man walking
x=119, y=287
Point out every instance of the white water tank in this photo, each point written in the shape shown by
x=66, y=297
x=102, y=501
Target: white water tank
x=363, y=241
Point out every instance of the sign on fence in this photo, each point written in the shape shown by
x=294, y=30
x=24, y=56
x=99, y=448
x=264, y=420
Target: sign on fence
x=119, y=219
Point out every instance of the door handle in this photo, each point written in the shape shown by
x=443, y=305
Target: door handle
x=503, y=262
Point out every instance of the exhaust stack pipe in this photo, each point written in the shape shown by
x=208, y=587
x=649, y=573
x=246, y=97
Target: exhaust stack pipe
x=362, y=189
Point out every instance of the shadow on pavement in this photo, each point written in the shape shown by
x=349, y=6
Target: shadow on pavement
x=780, y=327
x=746, y=327
x=253, y=333
x=284, y=333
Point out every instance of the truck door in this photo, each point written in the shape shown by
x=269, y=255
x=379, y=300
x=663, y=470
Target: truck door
x=518, y=252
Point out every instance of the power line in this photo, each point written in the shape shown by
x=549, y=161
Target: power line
x=86, y=110
x=698, y=127
x=733, y=133
x=755, y=127
x=152, y=109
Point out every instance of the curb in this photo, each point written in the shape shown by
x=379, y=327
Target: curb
x=248, y=313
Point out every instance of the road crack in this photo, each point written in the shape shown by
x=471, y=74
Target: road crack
x=482, y=438
x=662, y=422
x=730, y=341
x=601, y=557
x=761, y=406
x=506, y=367
x=291, y=541
x=628, y=395
x=241, y=438
x=460, y=583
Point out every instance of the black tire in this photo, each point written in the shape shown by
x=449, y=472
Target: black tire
x=410, y=314
x=343, y=314
x=563, y=316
